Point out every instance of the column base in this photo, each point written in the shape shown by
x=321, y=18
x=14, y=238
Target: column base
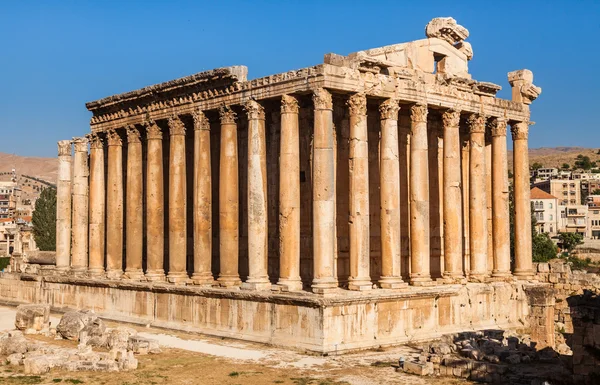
x=392, y=283
x=203, y=279
x=523, y=275
x=360, y=284
x=479, y=277
x=501, y=274
x=290, y=284
x=78, y=271
x=256, y=284
x=179, y=277
x=454, y=278
x=155, y=276
x=421, y=281
x=96, y=272
x=229, y=281
x=324, y=285
x=134, y=274
x=114, y=274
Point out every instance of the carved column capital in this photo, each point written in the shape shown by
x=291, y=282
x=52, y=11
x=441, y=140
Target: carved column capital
x=498, y=126
x=80, y=144
x=200, y=121
x=389, y=108
x=418, y=113
x=519, y=130
x=227, y=115
x=176, y=126
x=476, y=123
x=64, y=147
x=113, y=138
x=96, y=142
x=289, y=105
x=254, y=110
x=153, y=131
x=133, y=134
x=357, y=104
x=451, y=118
x=322, y=99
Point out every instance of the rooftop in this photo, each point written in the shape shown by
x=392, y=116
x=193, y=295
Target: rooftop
x=537, y=193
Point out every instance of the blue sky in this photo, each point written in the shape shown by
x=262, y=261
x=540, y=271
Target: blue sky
x=57, y=55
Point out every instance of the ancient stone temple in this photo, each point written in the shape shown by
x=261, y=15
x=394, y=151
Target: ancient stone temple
x=357, y=203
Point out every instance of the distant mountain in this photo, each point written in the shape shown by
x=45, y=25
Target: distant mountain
x=556, y=156
x=42, y=168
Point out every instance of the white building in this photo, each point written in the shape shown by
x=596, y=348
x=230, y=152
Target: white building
x=546, y=211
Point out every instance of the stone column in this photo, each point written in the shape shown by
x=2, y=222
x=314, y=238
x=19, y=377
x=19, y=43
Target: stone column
x=177, y=203
x=258, y=278
x=114, y=207
x=97, y=206
x=63, y=207
x=79, y=233
x=523, y=256
x=452, y=197
x=289, y=196
x=500, y=205
x=155, y=211
x=323, y=171
x=134, y=239
x=202, y=274
x=419, y=197
x=228, y=201
x=477, y=198
x=488, y=200
x=389, y=190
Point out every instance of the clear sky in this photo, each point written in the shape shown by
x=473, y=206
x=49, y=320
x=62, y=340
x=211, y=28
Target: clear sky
x=57, y=55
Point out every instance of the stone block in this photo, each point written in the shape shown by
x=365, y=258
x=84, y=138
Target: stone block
x=37, y=365
x=140, y=345
x=33, y=317
x=13, y=343
x=418, y=368
x=543, y=267
x=15, y=359
x=73, y=322
x=119, y=337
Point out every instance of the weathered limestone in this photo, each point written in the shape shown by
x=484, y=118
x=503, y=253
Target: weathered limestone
x=500, y=204
x=114, y=207
x=63, y=207
x=177, y=203
x=523, y=259
x=477, y=198
x=155, y=212
x=289, y=196
x=97, y=206
x=323, y=169
x=79, y=237
x=453, y=239
x=389, y=182
x=488, y=201
x=228, y=200
x=202, y=274
x=134, y=238
x=258, y=278
x=419, y=197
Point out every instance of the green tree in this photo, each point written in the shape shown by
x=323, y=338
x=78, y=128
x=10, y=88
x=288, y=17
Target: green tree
x=44, y=220
x=583, y=162
x=542, y=247
x=537, y=166
x=570, y=240
x=565, y=166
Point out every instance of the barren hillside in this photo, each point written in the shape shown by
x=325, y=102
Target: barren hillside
x=43, y=168
x=556, y=156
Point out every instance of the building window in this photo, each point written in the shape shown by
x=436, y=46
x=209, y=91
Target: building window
x=549, y=205
x=573, y=201
x=551, y=217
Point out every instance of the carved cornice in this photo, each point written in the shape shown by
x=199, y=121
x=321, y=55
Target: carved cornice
x=64, y=147
x=227, y=115
x=96, y=142
x=357, y=104
x=498, y=126
x=176, y=126
x=451, y=118
x=153, y=131
x=322, y=99
x=289, y=104
x=254, y=110
x=519, y=130
x=418, y=113
x=80, y=144
x=133, y=134
x=389, y=108
x=113, y=138
x=476, y=123
x=200, y=121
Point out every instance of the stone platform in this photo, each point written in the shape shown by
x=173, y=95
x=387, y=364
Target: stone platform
x=337, y=322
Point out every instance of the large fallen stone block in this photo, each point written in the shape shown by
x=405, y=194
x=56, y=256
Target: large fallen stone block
x=15, y=359
x=118, y=338
x=73, y=322
x=33, y=317
x=13, y=342
x=94, y=333
x=418, y=368
x=140, y=345
x=37, y=365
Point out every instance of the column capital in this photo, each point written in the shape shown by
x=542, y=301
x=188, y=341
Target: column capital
x=519, y=130
x=200, y=121
x=476, y=123
x=254, y=110
x=96, y=142
x=451, y=118
x=389, y=108
x=322, y=99
x=498, y=126
x=289, y=105
x=80, y=144
x=64, y=147
x=176, y=126
x=357, y=104
x=418, y=113
x=133, y=134
x=153, y=131
x=113, y=138
x=227, y=115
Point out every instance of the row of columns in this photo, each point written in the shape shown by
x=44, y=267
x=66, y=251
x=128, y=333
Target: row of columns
x=88, y=224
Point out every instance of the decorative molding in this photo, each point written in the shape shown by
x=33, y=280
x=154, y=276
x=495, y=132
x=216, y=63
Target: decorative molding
x=519, y=130
x=200, y=121
x=498, y=127
x=113, y=138
x=96, y=142
x=227, y=115
x=451, y=118
x=357, y=104
x=322, y=99
x=254, y=110
x=389, y=108
x=153, y=131
x=289, y=104
x=133, y=134
x=418, y=113
x=176, y=126
x=64, y=148
x=80, y=144
x=476, y=123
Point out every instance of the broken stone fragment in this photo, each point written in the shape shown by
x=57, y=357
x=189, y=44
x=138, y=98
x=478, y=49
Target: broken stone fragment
x=32, y=318
x=73, y=322
x=140, y=345
x=15, y=359
x=118, y=338
x=447, y=29
x=14, y=342
x=95, y=333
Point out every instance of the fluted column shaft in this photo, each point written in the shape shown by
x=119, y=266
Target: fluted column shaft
x=202, y=274
x=228, y=201
x=177, y=203
x=523, y=254
x=500, y=203
x=155, y=211
x=134, y=239
x=419, y=197
x=453, y=225
x=79, y=231
x=97, y=206
x=323, y=171
x=477, y=198
x=389, y=190
x=63, y=207
x=114, y=207
x=289, y=196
